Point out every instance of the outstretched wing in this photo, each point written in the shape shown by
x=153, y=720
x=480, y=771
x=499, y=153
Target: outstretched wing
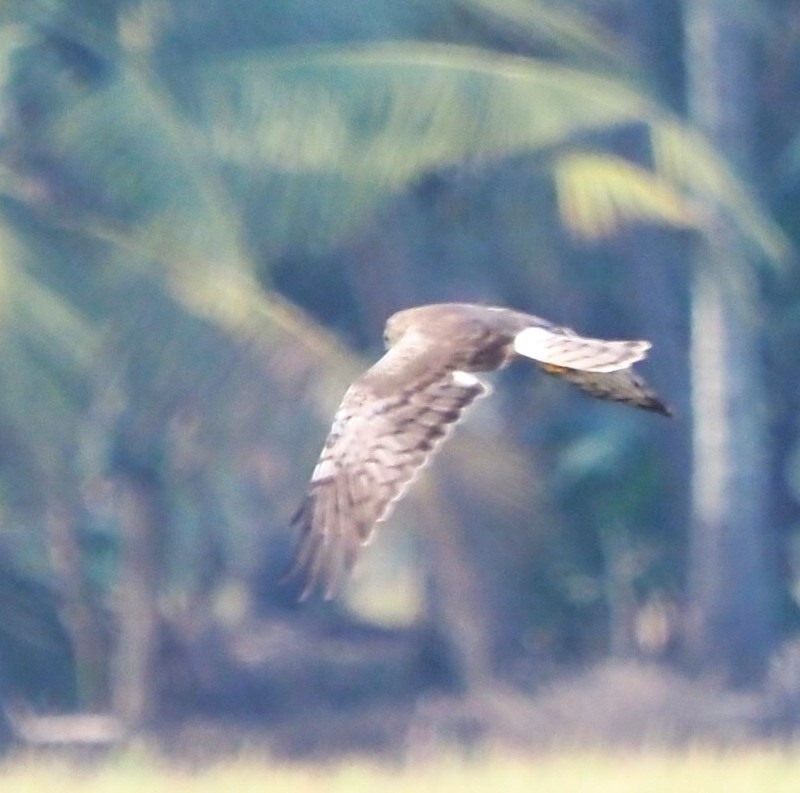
x=623, y=385
x=389, y=425
x=600, y=367
x=563, y=348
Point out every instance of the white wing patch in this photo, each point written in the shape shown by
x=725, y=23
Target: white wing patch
x=324, y=469
x=532, y=343
x=465, y=379
x=565, y=349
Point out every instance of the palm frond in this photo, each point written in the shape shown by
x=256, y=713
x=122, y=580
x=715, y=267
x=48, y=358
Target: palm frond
x=685, y=158
x=31, y=309
x=598, y=194
x=388, y=112
x=567, y=30
x=46, y=348
x=370, y=119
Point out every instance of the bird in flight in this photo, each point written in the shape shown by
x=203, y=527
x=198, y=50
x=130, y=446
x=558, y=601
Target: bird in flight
x=395, y=416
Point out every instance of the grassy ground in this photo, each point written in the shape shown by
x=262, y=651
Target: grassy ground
x=757, y=770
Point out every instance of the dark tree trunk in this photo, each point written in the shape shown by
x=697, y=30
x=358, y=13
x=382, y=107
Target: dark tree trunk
x=141, y=519
x=81, y=621
x=731, y=625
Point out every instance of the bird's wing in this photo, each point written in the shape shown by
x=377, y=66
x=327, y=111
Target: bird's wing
x=562, y=347
x=623, y=385
x=389, y=425
x=599, y=367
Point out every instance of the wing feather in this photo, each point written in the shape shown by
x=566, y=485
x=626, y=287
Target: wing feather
x=382, y=434
x=563, y=347
x=624, y=385
x=600, y=367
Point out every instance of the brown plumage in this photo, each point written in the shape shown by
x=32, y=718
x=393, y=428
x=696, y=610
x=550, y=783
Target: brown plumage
x=394, y=417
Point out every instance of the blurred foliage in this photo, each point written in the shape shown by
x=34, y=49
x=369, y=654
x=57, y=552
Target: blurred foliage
x=192, y=192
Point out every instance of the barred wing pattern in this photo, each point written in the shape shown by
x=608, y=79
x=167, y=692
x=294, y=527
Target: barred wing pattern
x=623, y=385
x=563, y=348
x=393, y=418
x=375, y=448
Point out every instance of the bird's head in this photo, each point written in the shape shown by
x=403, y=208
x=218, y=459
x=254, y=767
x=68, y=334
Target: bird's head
x=396, y=326
x=446, y=319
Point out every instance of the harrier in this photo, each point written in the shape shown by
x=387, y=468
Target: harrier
x=394, y=417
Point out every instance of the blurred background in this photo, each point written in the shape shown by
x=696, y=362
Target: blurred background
x=208, y=210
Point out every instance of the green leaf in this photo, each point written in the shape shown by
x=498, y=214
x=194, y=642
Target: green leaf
x=386, y=113
x=571, y=32
x=598, y=194
x=684, y=157
x=368, y=120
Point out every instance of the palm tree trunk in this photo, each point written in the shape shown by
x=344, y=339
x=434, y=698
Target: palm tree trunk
x=141, y=518
x=80, y=619
x=731, y=617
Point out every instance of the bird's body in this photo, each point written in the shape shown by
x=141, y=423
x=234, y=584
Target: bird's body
x=393, y=417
